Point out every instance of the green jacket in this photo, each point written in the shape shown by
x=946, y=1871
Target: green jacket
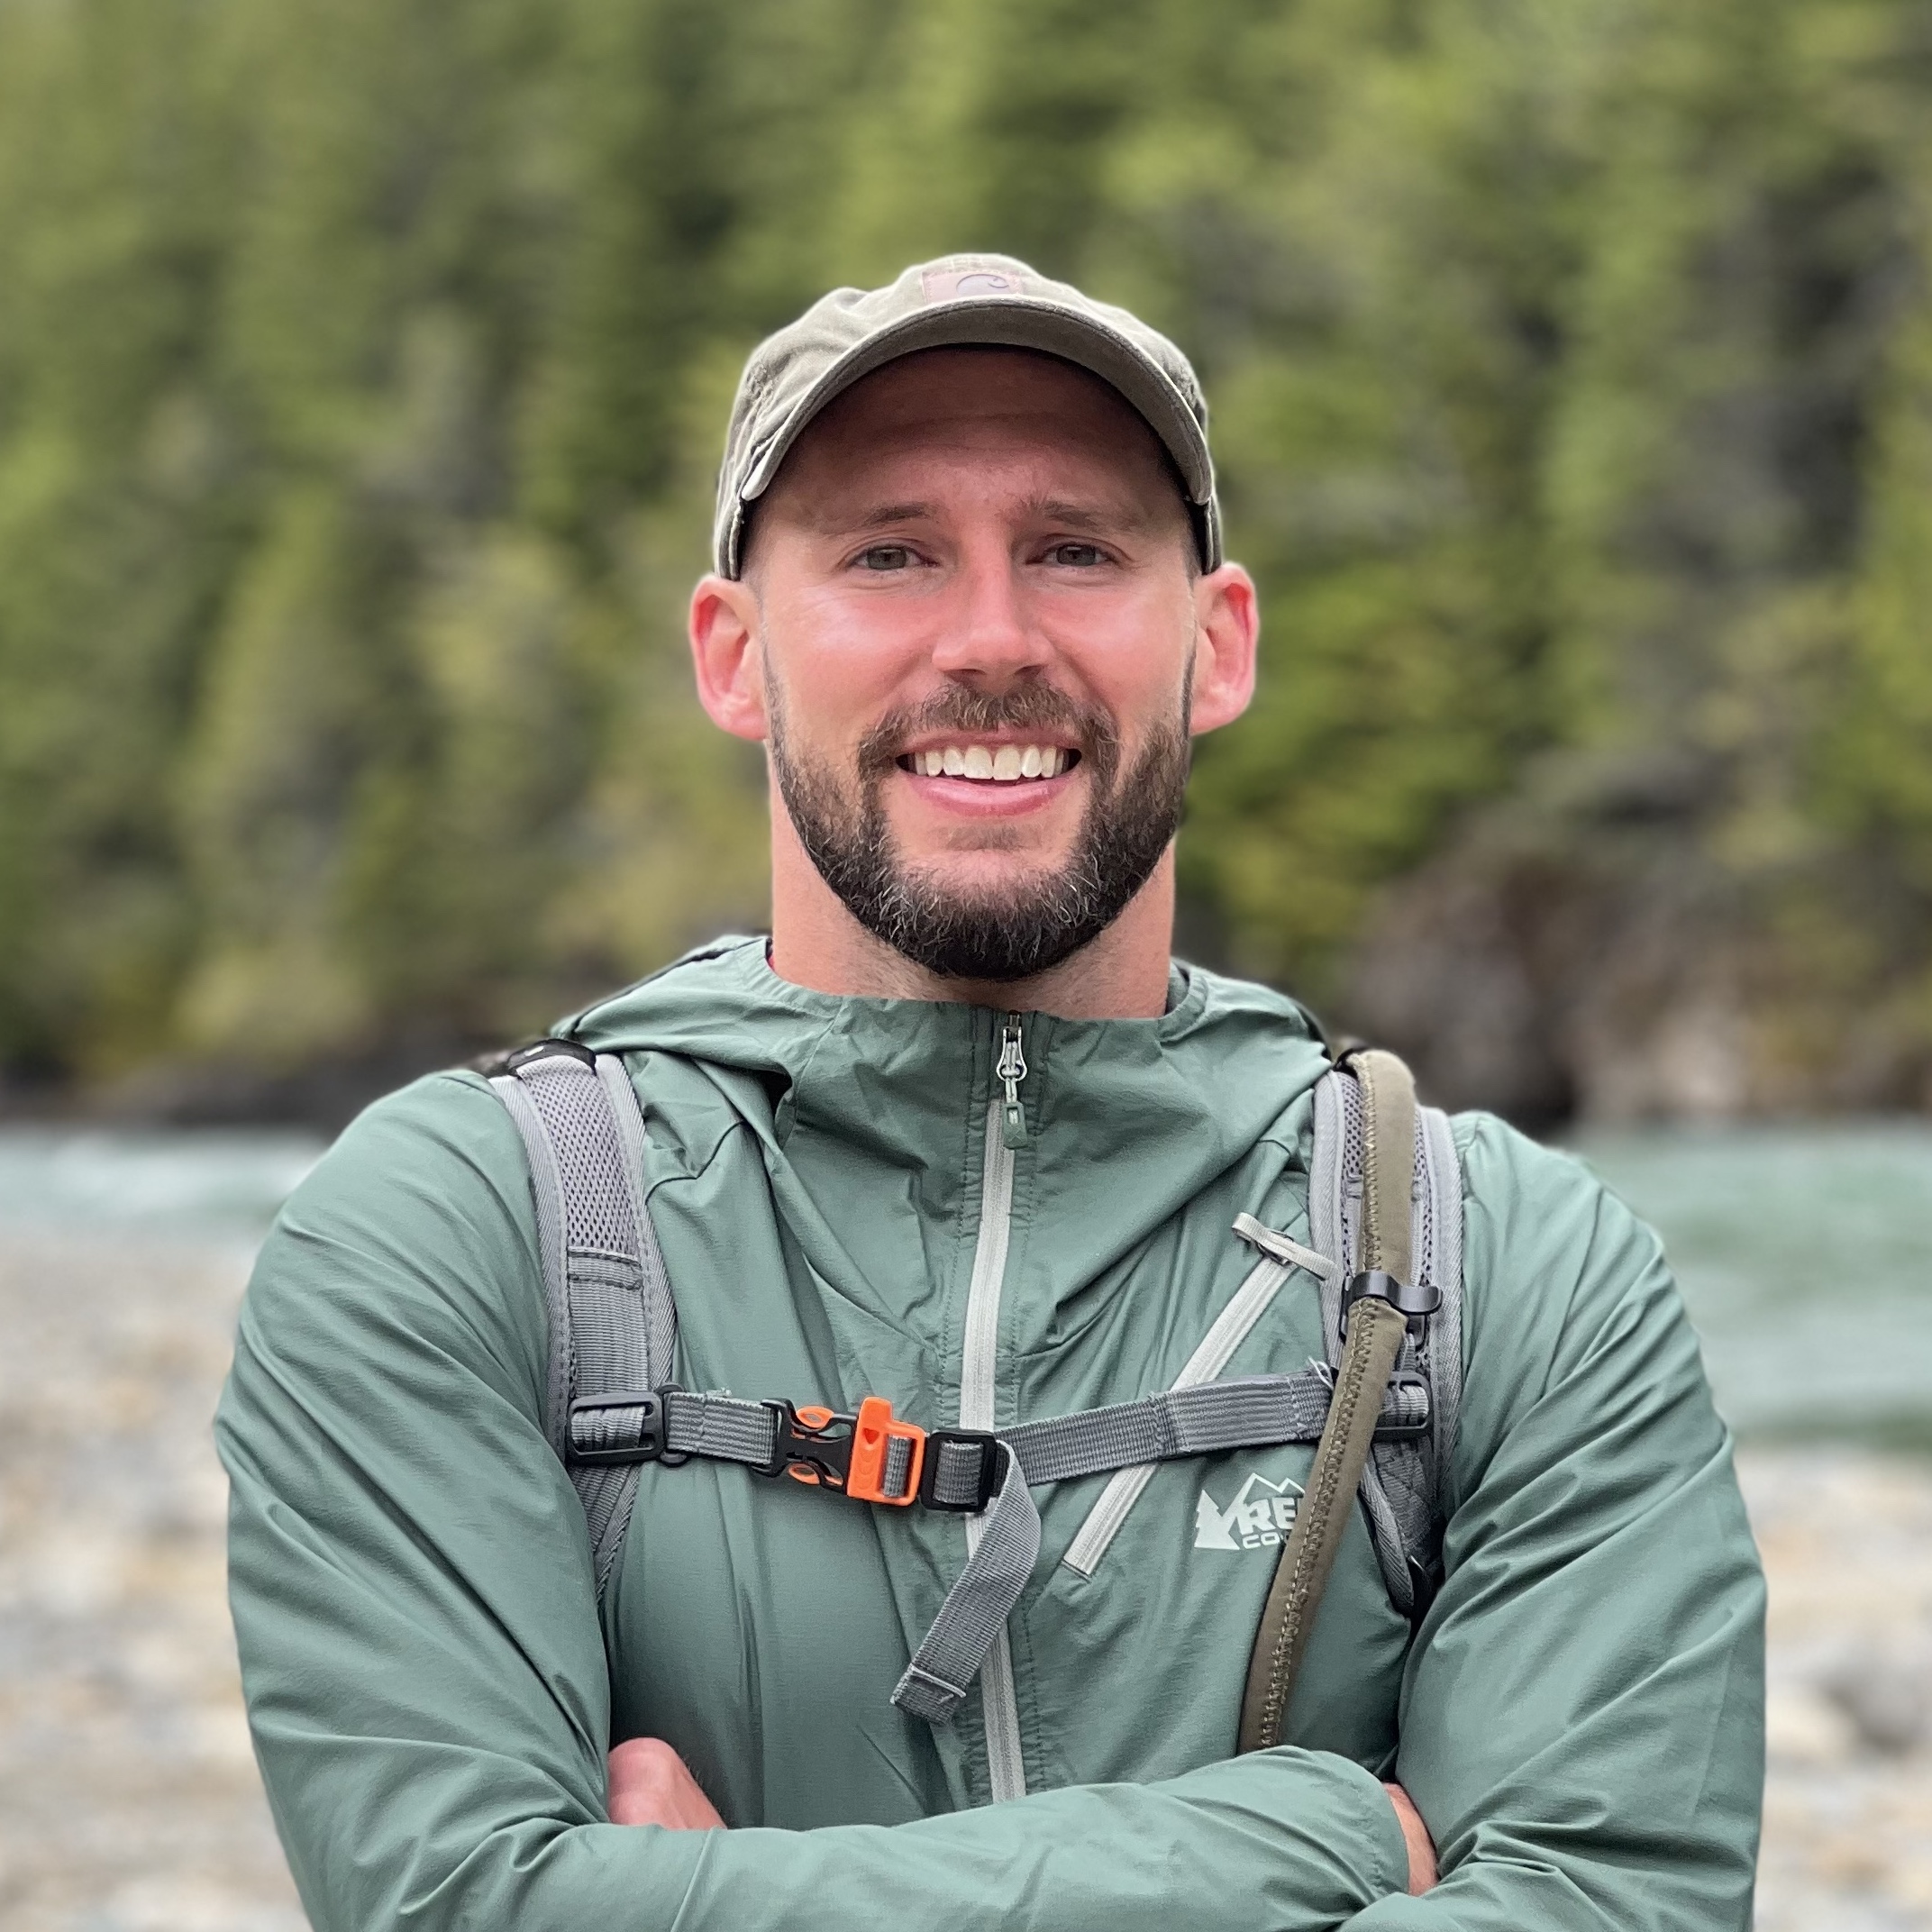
x=1579, y=1719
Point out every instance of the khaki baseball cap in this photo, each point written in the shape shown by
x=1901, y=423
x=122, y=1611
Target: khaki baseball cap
x=959, y=301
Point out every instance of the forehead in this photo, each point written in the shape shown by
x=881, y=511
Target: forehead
x=971, y=407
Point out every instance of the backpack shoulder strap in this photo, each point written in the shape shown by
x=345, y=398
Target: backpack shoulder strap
x=613, y=1321
x=1368, y=1099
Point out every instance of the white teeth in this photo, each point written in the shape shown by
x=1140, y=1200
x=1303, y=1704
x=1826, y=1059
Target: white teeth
x=1006, y=766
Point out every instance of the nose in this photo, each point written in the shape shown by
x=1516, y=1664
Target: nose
x=990, y=642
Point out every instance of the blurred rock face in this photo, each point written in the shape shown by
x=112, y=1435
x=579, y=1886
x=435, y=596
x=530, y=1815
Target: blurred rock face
x=1586, y=951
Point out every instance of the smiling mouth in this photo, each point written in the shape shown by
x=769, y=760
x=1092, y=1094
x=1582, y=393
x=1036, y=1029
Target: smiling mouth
x=1005, y=764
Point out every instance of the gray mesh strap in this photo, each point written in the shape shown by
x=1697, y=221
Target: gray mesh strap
x=661, y=1310
x=1398, y=1486
x=976, y=1608
x=1442, y=1194
x=1403, y=1489
x=1336, y=1160
x=613, y=1323
x=547, y=1191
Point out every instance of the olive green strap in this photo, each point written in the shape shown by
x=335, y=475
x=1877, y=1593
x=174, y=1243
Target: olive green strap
x=1375, y=1336
x=1374, y=1340
x=1388, y=1163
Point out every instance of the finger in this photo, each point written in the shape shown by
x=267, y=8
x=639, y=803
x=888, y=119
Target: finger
x=651, y=1784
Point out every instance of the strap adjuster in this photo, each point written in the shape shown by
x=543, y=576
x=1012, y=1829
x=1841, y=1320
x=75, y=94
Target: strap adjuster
x=610, y=1431
x=1396, y=1428
x=858, y=1455
x=942, y=1463
x=1418, y=1303
x=549, y=1049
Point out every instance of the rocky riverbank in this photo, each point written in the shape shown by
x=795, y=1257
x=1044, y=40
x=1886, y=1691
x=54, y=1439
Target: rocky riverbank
x=128, y=1798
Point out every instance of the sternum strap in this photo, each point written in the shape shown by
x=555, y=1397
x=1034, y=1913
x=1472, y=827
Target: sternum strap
x=1255, y=1412
x=1252, y=1412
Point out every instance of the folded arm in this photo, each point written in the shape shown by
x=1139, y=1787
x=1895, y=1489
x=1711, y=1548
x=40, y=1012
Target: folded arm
x=425, y=1673
x=1583, y=1716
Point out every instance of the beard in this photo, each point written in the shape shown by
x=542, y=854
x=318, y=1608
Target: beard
x=1026, y=925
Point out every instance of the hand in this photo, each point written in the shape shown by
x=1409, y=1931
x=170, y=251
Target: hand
x=651, y=1784
x=1414, y=1835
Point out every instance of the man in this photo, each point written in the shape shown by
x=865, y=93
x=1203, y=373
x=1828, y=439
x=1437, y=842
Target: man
x=969, y=594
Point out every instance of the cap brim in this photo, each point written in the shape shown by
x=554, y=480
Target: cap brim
x=1014, y=322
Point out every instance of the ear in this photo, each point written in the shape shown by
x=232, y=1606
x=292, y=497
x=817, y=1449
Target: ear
x=723, y=631
x=1227, y=628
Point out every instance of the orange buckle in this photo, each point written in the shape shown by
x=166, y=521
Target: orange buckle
x=873, y=1430
x=846, y=1453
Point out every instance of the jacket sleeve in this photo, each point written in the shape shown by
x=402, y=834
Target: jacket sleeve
x=1582, y=1718
x=426, y=1674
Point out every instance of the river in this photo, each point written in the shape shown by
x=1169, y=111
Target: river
x=128, y=1797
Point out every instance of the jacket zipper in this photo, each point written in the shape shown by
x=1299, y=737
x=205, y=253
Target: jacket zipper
x=1006, y=1129
x=1012, y=1071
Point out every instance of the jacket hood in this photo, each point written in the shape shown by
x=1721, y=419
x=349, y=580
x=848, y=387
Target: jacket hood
x=1127, y=1119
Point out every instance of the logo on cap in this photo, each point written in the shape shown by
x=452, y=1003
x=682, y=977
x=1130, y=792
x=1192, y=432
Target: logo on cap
x=957, y=284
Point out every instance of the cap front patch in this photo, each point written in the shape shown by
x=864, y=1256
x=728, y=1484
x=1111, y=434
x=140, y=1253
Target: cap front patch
x=958, y=285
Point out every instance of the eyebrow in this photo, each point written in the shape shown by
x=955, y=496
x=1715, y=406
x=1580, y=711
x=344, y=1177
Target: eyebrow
x=1076, y=516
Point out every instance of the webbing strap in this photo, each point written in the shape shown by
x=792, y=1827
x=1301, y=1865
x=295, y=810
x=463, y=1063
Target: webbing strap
x=720, y=1427
x=1246, y=1414
x=1251, y=1413
x=977, y=1607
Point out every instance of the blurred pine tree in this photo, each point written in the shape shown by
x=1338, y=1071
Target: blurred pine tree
x=363, y=367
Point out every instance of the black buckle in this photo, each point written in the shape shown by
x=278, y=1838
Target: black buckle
x=548, y=1049
x=1387, y=1430
x=647, y=1444
x=992, y=1468
x=824, y=1447
x=1418, y=1303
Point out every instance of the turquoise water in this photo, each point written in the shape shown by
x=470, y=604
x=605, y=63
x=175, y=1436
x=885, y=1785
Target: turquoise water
x=224, y=1183
x=1804, y=1252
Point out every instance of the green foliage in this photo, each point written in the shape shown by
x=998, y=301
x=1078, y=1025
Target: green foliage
x=364, y=364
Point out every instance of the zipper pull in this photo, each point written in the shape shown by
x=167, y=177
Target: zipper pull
x=1012, y=1070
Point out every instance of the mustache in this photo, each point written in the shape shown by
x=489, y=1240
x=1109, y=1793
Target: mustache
x=1035, y=707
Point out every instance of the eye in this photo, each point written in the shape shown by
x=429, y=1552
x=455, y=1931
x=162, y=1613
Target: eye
x=886, y=557
x=1077, y=556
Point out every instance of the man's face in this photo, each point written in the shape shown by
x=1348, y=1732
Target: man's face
x=977, y=614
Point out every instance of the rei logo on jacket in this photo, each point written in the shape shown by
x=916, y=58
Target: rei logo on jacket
x=1259, y=1518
